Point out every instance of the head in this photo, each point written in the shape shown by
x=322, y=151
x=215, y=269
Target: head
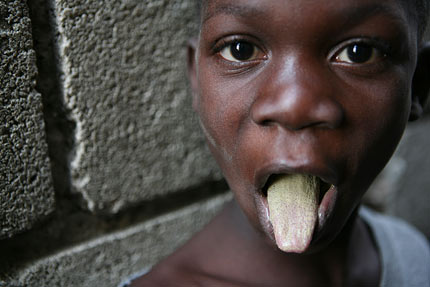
x=311, y=87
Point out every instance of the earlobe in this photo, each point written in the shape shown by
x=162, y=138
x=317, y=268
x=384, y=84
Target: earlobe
x=192, y=69
x=421, y=83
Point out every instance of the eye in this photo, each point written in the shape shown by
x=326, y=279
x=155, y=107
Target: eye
x=359, y=53
x=240, y=51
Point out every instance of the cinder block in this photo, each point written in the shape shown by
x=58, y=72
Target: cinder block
x=125, y=87
x=403, y=188
x=108, y=260
x=26, y=193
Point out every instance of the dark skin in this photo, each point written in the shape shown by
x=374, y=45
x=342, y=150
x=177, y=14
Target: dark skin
x=311, y=87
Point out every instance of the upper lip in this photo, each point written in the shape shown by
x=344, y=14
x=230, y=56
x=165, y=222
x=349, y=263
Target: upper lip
x=326, y=174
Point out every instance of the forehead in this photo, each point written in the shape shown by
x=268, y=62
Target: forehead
x=407, y=4
x=404, y=10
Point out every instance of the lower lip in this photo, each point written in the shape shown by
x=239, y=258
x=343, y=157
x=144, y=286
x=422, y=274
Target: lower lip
x=325, y=209
x=264, y=215
x=326, y=206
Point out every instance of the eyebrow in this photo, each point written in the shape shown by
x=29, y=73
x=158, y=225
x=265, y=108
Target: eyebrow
x=354, y=15
x=234, y=10
x=361, y=13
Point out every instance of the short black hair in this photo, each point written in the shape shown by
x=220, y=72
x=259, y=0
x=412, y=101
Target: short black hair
x=421, y=11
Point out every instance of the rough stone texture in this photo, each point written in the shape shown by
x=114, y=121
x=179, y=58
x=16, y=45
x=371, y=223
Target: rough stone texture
x=403, y=188
x=106, y=261
x=125, y=87
x=59, y=128
x=26, y=194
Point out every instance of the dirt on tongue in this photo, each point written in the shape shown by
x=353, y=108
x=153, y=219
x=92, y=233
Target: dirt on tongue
x=293, y=208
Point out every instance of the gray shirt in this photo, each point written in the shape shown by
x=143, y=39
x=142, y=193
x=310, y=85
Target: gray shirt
x=405, y=253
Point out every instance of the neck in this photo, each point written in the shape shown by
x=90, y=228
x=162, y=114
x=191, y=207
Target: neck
x=345, y=260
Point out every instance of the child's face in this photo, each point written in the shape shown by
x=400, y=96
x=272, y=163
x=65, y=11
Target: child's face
x=314, y=87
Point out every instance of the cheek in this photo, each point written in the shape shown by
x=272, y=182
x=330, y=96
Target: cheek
x=222, y=108
x=220, y=117
x=378, y=122
x=390, y=111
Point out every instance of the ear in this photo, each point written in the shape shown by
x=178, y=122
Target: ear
x=192, y=69
x=421, y=83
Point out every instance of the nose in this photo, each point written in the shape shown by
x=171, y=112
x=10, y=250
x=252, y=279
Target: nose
x=296, y=99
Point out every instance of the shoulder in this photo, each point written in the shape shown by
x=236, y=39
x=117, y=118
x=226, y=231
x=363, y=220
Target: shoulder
x=189, y=265
x=202, y=260
x=404, y=251
x=161, y=275
x=394, y=231
x=170, y=275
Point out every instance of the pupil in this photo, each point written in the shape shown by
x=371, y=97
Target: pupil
x=359, y=53
x=242, y=50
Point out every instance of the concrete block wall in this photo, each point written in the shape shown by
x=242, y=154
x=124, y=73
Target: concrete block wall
x=25, y=180
x=109, y=259
x=103, y=168
x=124, y=86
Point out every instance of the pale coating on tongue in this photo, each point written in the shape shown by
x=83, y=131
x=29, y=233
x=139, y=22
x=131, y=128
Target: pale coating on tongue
x=293, y=208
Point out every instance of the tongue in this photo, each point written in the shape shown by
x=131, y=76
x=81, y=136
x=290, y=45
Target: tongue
x=293, y=208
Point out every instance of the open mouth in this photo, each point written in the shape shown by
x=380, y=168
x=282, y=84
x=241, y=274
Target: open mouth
x=323, y=186
x=296, y=207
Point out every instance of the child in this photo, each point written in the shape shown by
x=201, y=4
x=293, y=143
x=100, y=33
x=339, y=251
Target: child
x=302, y=104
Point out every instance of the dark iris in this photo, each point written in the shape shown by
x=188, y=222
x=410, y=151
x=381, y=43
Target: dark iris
x=242, y=50
x=359, y=53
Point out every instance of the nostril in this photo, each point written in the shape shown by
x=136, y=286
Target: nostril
x=328, y=114
x=266, y=123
